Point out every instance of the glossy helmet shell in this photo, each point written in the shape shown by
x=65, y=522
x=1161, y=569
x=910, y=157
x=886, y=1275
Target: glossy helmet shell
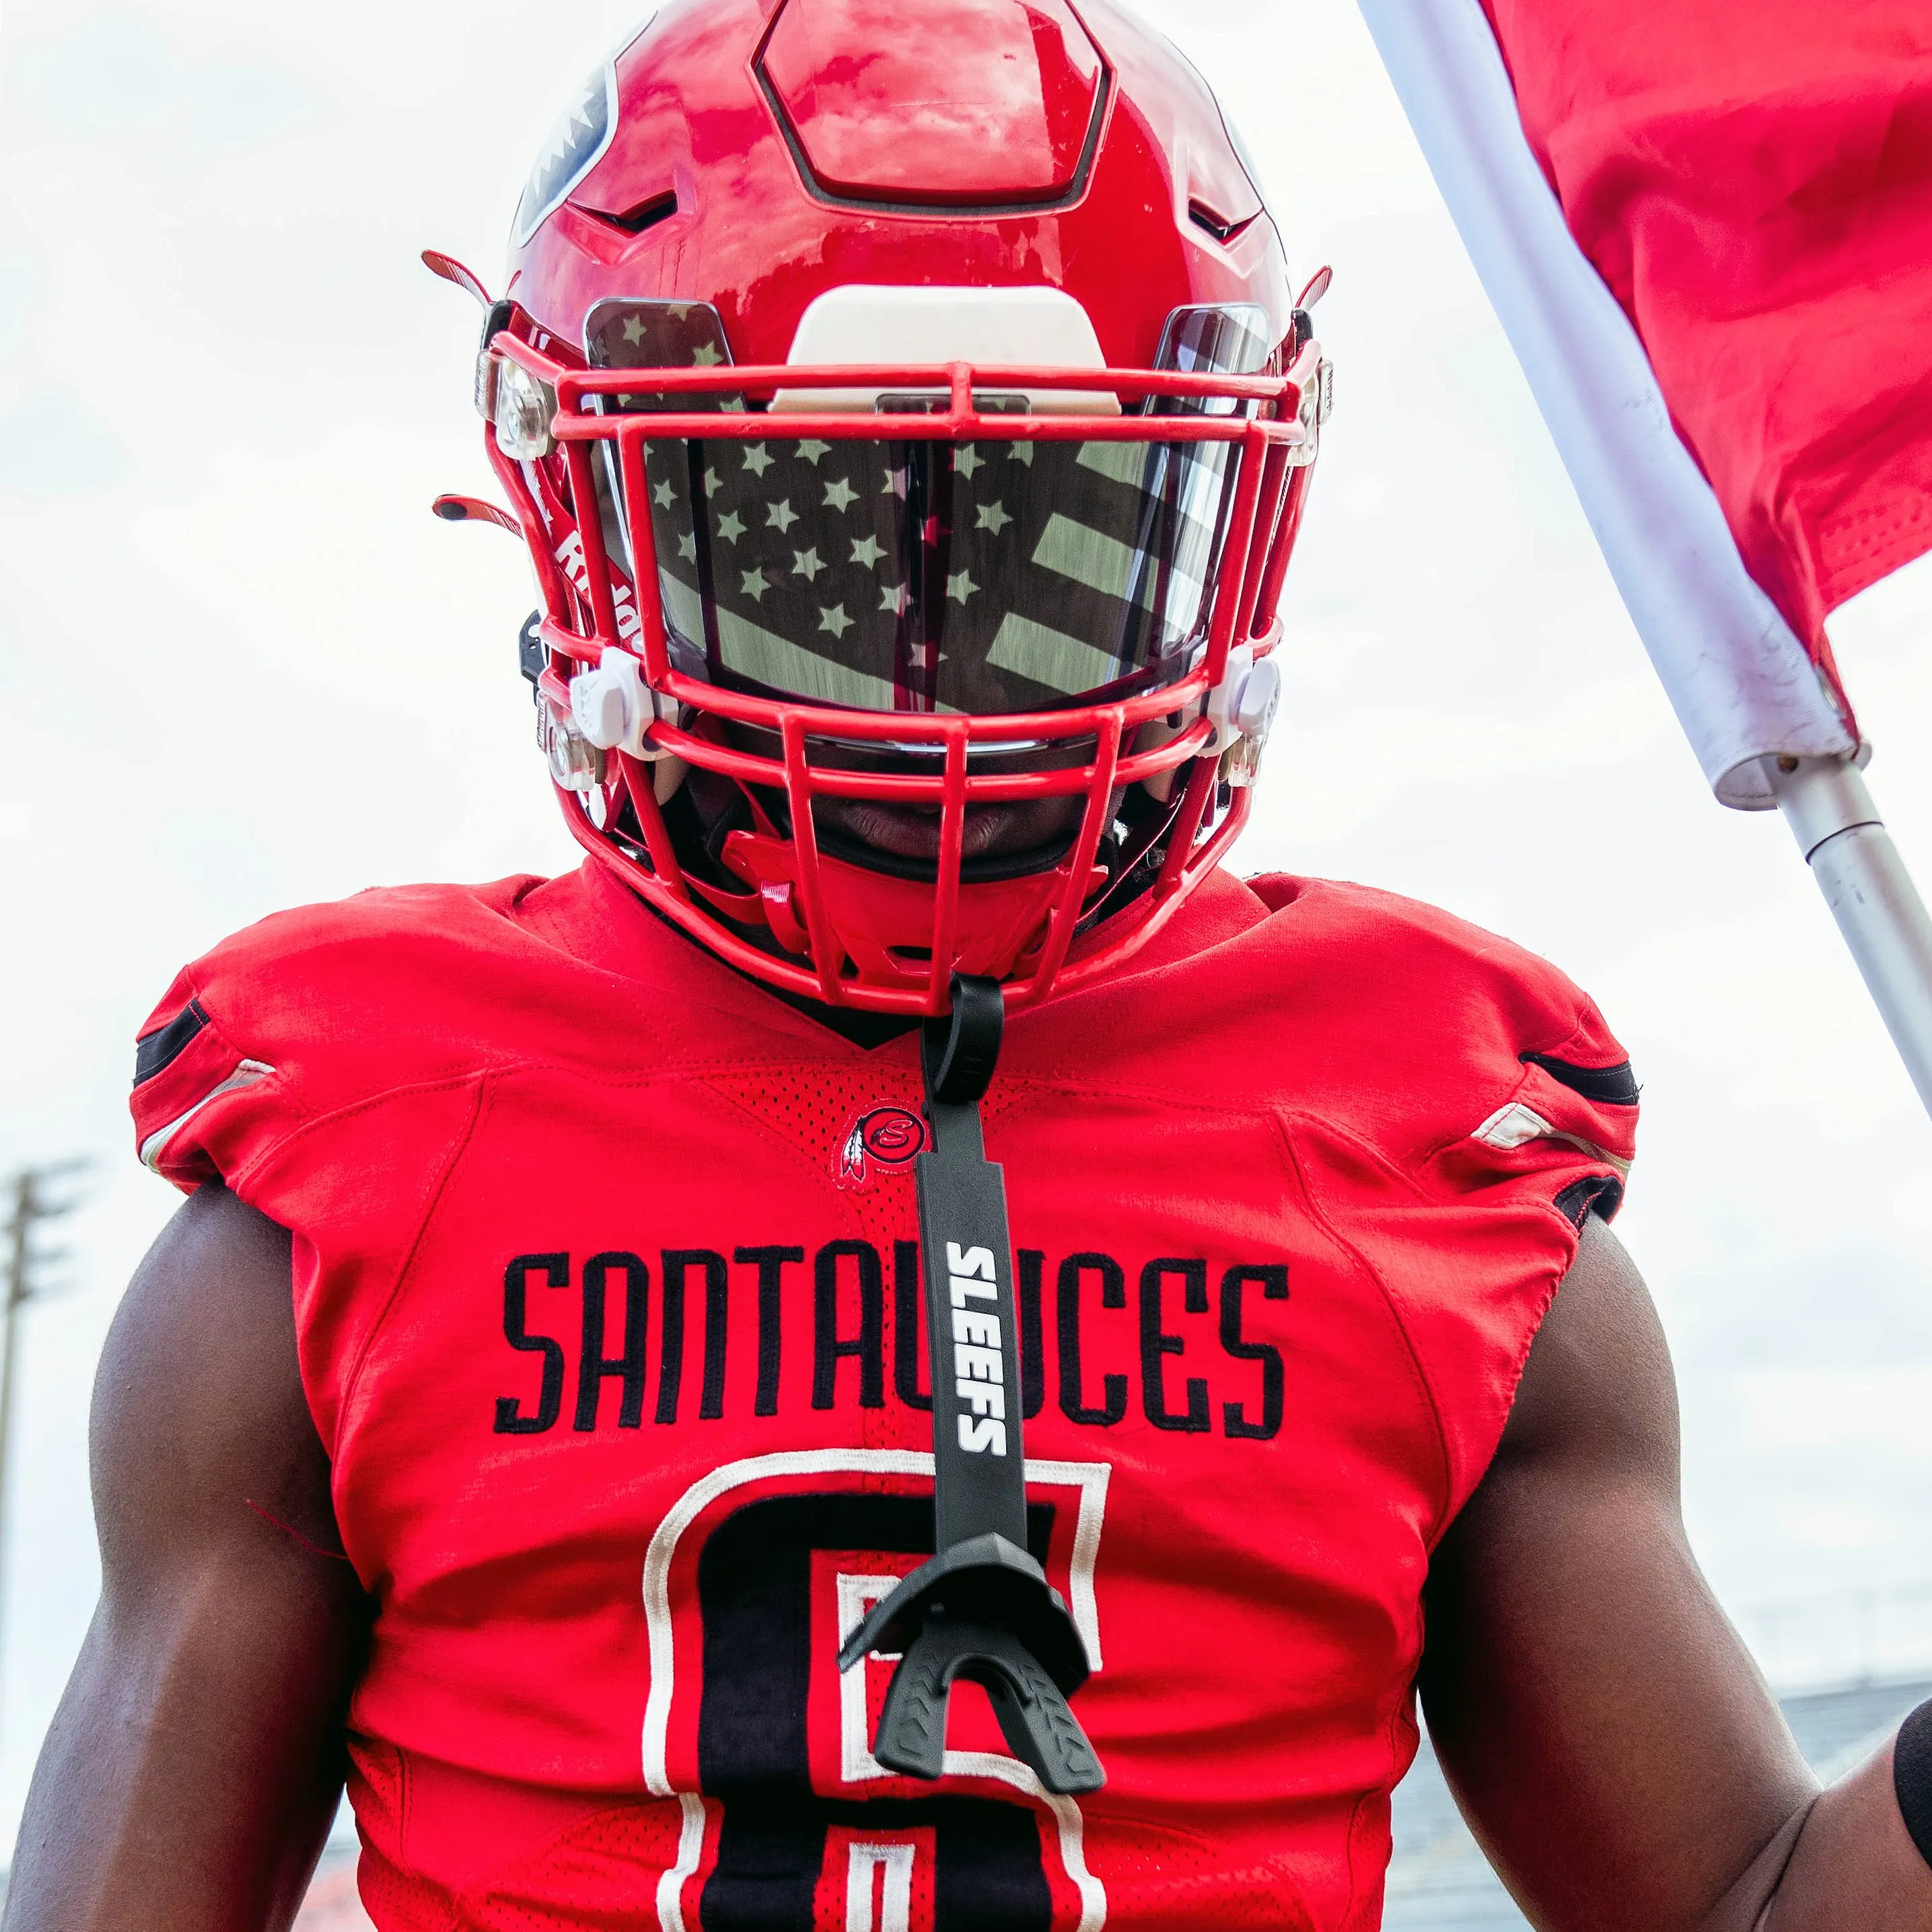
x=755, y=156
x=991, y=143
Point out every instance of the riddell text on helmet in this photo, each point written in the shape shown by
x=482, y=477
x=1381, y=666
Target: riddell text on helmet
x=825, y=1322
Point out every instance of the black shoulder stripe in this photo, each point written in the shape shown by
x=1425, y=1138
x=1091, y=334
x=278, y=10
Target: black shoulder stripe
x=1595, y=1194
x=1614, y=1086
x=155, y=1052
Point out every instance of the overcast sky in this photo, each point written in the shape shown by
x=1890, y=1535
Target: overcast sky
x=242, y=668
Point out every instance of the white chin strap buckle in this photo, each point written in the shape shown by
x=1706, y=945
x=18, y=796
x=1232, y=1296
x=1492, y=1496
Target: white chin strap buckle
x=614, y=708
x=1241, y=709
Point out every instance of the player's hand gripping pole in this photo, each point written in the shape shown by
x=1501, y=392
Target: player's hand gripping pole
x=982, y=1608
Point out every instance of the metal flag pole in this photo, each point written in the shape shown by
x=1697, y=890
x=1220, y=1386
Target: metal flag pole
x=1764, y=726
x=1830, y=811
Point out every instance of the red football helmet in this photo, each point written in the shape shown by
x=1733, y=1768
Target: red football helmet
x=907, y=407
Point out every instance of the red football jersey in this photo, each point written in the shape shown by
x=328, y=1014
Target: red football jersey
x=607, y=1295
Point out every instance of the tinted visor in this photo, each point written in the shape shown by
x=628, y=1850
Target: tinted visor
x=892, y=572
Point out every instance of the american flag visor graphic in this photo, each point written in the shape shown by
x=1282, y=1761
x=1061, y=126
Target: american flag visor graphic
x=888, y=571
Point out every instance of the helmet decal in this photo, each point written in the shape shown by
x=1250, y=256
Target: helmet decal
x=576, y=144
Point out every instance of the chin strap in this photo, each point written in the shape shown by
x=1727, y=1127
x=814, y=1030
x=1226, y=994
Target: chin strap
x=982, y=1608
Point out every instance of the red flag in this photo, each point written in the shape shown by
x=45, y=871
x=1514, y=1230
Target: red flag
x=1754, y=183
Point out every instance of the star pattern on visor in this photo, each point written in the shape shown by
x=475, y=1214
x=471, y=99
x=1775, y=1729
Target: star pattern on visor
x=983, y=577
x=892, y=570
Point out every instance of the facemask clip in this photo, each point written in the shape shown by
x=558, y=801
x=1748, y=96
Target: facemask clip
x=613, y=706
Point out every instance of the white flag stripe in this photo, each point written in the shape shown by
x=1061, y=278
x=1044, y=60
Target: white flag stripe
x=1124, y=462
x=1740, y=682
x=1093, y=558
x=756, y=653
x=1049, y=656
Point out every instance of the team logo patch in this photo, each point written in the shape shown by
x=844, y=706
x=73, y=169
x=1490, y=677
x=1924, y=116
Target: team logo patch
x=880, y=1142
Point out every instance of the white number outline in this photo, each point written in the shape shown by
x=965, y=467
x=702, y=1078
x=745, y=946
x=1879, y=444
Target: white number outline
x=1090, y=1479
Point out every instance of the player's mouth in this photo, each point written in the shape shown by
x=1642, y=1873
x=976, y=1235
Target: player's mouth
x=912, y=832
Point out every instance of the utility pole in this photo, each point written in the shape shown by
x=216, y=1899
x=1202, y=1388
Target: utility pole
x=30, y=1203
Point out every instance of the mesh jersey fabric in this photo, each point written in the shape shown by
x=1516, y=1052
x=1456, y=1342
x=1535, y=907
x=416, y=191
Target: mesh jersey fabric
x=606, y=1287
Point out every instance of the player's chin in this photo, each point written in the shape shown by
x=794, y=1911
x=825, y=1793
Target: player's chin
x=905, y=832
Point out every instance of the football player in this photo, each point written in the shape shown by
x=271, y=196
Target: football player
x=910, y=418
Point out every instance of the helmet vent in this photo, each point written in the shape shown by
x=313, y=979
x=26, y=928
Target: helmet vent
x=646, y=214
x=966, y=105
x=1223, y=230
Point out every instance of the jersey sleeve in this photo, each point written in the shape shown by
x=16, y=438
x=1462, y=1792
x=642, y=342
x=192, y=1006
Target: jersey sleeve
x=1537, y=1133
x=1562, y=1128
x=323, y=1065
x=209, y=1101
x=1481, y=1112
x=315, y=1012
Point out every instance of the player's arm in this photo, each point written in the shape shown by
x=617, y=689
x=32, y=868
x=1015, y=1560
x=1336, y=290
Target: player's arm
x=195, y=1760
x=1612, y=1743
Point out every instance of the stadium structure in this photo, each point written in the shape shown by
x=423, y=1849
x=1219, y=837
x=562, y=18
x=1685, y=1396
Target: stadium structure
x=1439, y=1880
